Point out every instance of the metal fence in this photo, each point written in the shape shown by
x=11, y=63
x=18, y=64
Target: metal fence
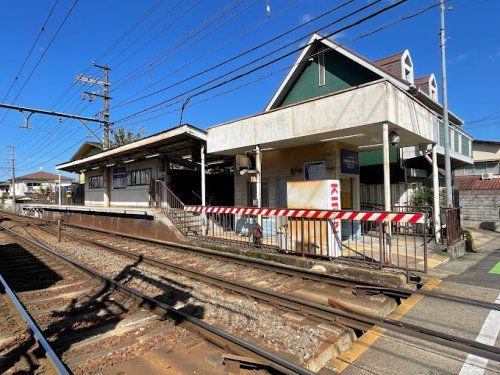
x=375, y=238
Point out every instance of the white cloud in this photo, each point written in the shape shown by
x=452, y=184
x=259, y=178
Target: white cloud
x=305, y=18
x=339, y=36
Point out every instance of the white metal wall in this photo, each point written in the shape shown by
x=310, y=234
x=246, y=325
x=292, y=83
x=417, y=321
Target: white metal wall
x=401, y=193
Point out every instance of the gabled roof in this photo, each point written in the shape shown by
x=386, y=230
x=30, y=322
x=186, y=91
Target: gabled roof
x=175, y=142
x=302, y=60
x=389, y=59
x=85, y=148
x=424, y=79
x=42, y=176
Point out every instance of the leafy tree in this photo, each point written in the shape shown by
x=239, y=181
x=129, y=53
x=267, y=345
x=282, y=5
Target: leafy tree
x=121, y=137
x=424, y=197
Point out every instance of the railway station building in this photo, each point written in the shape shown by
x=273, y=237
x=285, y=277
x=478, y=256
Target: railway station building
x=337, y=116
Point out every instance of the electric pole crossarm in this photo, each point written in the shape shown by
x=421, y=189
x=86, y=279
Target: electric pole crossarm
x=51, y=113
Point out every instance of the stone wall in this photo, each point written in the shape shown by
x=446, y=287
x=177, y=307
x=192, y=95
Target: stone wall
x=480, y=209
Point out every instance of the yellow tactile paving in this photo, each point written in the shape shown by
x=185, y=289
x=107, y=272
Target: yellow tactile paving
x=364, y=342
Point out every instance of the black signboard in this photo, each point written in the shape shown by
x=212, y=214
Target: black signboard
x=349, y=163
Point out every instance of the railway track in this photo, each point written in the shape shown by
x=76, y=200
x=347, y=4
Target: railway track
x=23, y=348
x=95, y=323
x=225, y=264
x=355, y=320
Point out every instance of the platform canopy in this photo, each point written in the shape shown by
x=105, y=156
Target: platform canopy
x=181, y=145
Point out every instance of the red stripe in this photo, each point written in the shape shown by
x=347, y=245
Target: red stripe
x=398, y=217
x=382, y=217
x=353, y=215
x=416, y=218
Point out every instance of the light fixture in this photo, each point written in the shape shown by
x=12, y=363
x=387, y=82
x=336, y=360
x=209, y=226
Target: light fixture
x=342, y=137
x=110, y=165
x=368, y=146
x=128, y=161
x=152, y=156
x=267, y=149
x=394, y=138
x=94, y=168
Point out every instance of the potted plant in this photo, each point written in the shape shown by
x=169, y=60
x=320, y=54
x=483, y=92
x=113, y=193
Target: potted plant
x=469, y=239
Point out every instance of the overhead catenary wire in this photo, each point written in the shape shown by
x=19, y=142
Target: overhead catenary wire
x=153, y=63
x=255, y=48
x=251, y=62
x=40, y=32
x=208, y=52
x=54, y=36
x=367, y=34
x=259, y=67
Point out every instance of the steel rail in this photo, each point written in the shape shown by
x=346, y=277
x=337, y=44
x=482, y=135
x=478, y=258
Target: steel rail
x=285, y=269
x=355, y=320
x=304, y=273
x=209, y=332
x=54, y=360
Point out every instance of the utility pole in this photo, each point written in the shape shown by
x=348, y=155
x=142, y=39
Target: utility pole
x=104, y=84
x=13, y=172
x=447, y=160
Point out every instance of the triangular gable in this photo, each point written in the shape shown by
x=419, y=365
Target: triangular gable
x=301, y=63
x=87, y=149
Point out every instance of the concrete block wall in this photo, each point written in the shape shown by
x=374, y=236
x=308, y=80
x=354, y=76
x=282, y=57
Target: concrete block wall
x=480, y=209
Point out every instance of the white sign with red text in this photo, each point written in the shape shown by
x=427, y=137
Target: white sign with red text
x=319, y=195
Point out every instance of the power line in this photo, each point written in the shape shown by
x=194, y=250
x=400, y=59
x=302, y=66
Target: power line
x=30, y=51
x=146, y=32
x=227, y=61
x=130, y=30
x=150, y=64
x=208, y=52
x=246, y=52
x=43, y=54
x=259, y=67
x=367, y=34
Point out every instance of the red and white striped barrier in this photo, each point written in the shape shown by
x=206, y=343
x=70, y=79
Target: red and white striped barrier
x=314, y=214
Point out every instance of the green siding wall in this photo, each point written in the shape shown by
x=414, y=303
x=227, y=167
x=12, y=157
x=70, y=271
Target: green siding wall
x=341, y=74
x=375, y=157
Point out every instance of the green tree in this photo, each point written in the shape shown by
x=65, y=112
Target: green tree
x=424, y=197
x=121, y=137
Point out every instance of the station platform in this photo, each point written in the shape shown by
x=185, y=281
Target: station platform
x=475, y=276
x=134, y=211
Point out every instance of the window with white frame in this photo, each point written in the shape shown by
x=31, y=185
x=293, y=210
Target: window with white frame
x=321, y=67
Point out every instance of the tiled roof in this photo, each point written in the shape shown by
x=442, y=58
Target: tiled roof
x=424, y=79
x=476, y=183
x=389, y=59
x=43, y=176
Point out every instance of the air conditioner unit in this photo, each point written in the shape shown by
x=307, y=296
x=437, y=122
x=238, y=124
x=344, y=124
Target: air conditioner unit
x=486, y=176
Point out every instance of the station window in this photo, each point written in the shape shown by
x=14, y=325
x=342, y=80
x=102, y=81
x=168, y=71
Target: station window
x=96, y=182
x=321, y=67
x=119, y=178
x=139, y=177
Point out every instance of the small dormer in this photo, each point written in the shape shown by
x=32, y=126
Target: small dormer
x=428, y=84
x=407, y=67
x=399, y=65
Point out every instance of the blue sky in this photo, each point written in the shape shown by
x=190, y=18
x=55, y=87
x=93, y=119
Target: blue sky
x=95, y=25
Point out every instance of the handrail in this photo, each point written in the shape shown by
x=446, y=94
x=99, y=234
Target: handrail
x=171, y=193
